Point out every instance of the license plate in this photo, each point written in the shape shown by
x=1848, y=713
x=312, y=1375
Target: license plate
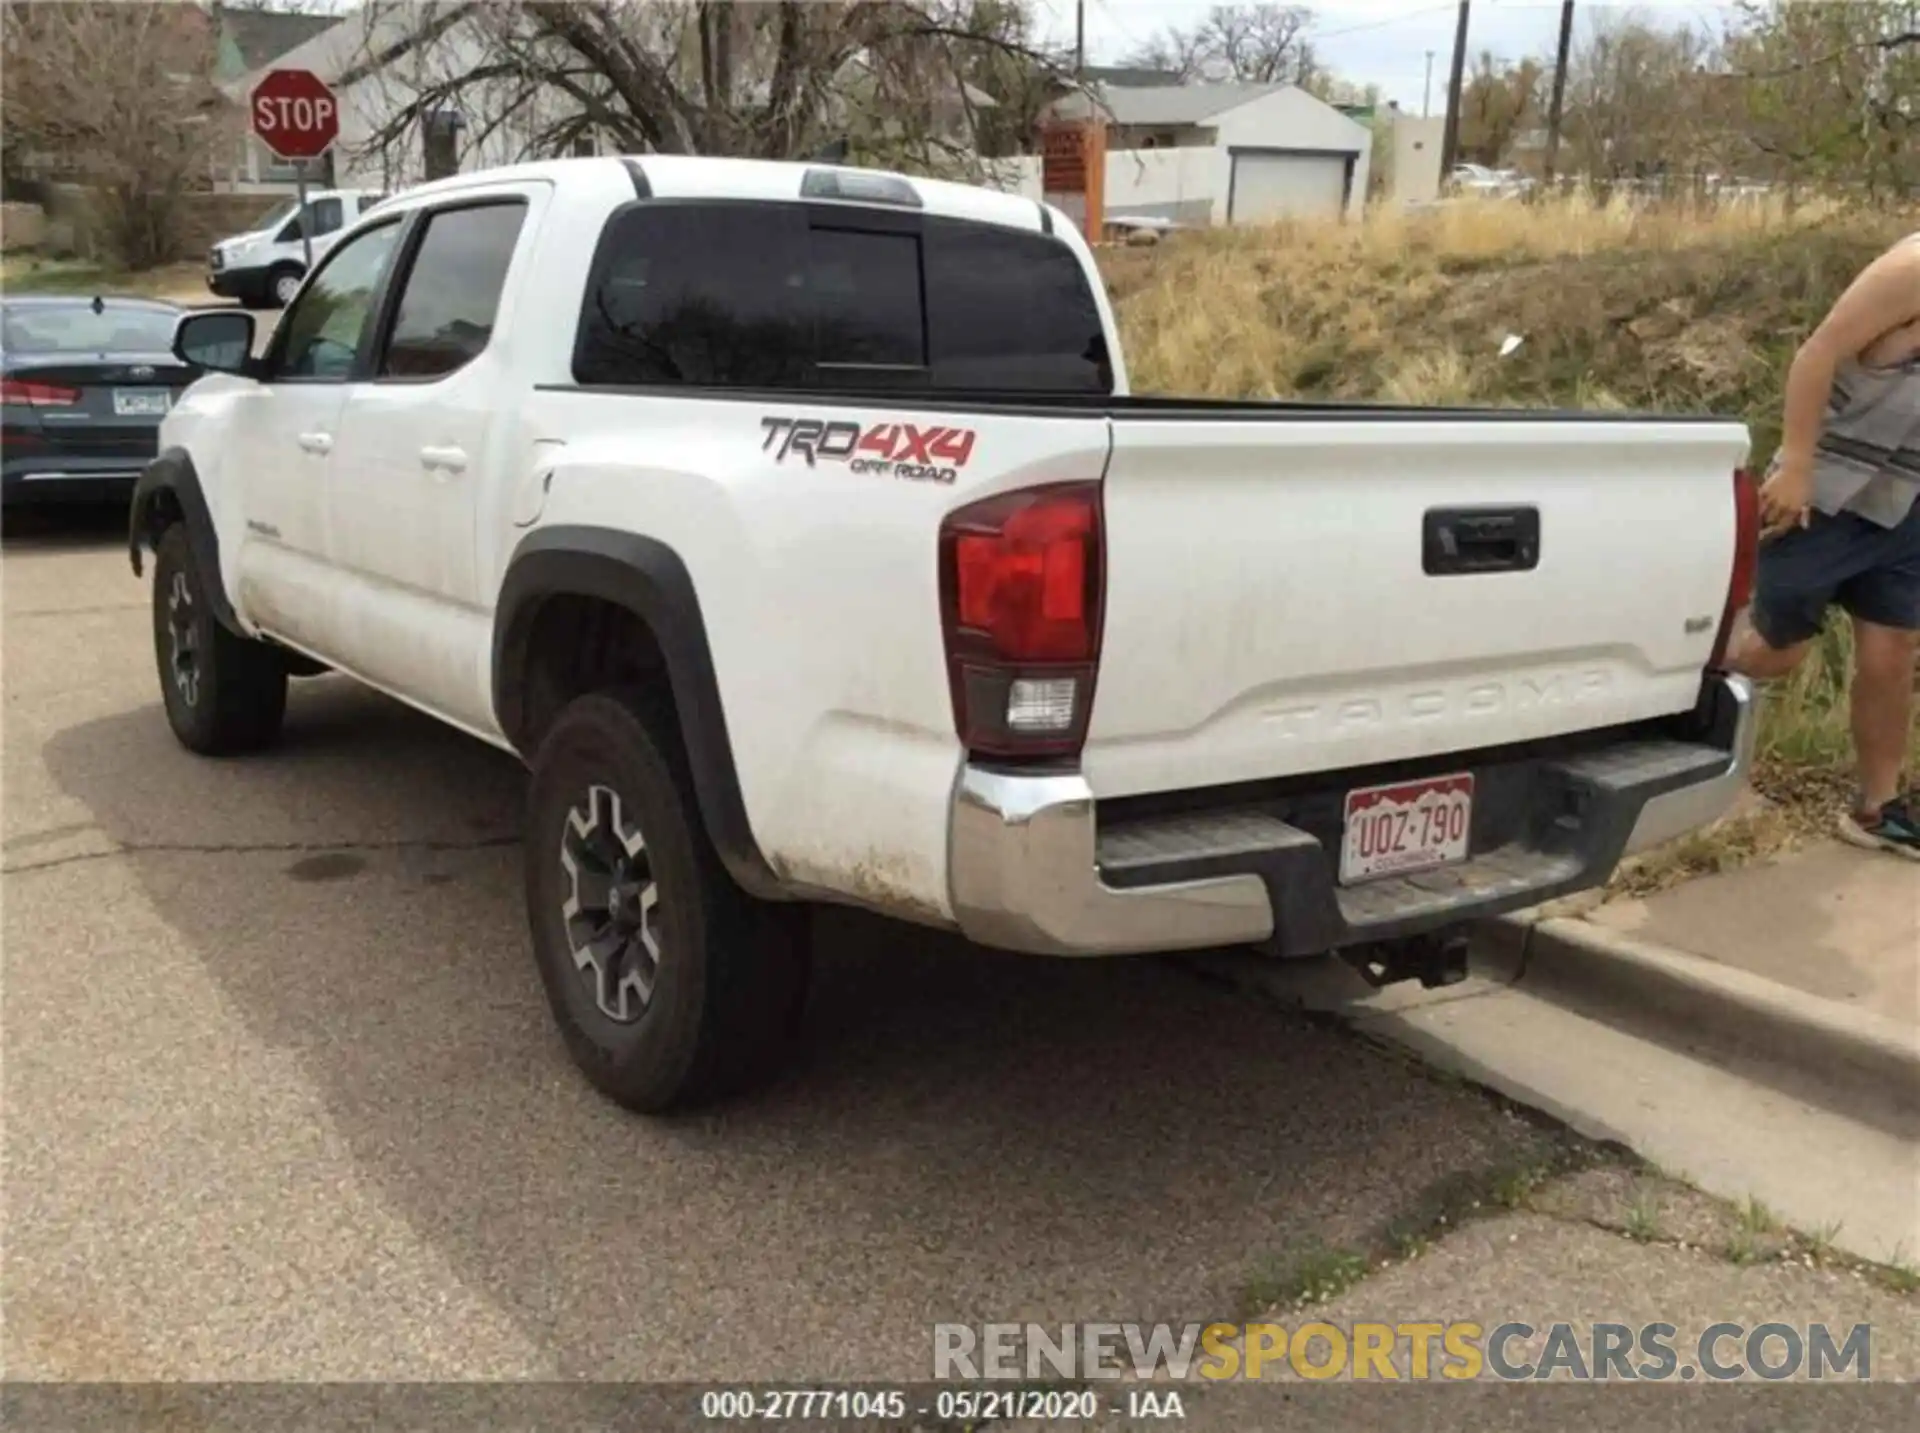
x=1411, y=826
x=140, y=402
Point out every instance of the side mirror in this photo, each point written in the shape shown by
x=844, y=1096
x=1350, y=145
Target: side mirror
x=220, y=341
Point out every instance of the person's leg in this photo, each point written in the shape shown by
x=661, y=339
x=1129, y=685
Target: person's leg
x=1753, y=656
x=1883, y=659
x=1884, y=602
x=1793, y=585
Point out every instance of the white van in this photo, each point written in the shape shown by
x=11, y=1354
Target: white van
x=264, y=266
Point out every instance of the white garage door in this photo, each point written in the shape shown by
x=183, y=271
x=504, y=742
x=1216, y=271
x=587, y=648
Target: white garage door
x=1275, y=186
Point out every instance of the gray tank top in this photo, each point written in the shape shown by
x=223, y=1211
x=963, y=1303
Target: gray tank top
x=1868, y=459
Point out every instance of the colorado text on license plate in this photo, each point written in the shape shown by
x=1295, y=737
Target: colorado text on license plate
x=139, y=402
x=1411, y=826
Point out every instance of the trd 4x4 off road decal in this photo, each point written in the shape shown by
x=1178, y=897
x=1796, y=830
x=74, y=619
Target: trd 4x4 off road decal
x=931, y=454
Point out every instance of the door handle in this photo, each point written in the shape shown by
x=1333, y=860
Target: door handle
x=317, y=443
x=1460, y=541
x=450, y=459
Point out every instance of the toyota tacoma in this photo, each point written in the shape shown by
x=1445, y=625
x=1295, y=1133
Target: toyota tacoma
x=796, y=527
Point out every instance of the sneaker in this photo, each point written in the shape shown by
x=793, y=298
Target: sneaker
x=1894, y=829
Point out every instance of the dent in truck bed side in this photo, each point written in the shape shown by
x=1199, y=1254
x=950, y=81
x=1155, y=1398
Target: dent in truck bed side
x=648, y=579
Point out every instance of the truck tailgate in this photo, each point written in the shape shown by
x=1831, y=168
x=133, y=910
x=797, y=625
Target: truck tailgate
x=1298, y=593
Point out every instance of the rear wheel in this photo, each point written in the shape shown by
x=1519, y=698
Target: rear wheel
x=671, y=985
x=223, y=693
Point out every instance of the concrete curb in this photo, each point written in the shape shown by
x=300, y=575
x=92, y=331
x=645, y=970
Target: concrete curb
x=1816, y=1047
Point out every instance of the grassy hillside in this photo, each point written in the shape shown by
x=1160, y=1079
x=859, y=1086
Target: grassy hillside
x=1667, y=311
x=1660, y=311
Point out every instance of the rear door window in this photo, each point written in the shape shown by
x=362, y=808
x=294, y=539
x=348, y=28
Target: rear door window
x=452, y=293
x=784, y=296
x=700, y=295
x=1009, y=311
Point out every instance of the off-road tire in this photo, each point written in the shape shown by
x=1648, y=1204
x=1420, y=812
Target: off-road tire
x=725, y=975
x=224, y=693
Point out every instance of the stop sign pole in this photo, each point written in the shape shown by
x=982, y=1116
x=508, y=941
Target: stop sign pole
x=295, y=115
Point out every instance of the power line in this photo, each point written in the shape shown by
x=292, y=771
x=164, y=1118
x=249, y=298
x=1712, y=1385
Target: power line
x=1379, y=24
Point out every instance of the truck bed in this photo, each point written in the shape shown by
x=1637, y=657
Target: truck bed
x=1163, y=407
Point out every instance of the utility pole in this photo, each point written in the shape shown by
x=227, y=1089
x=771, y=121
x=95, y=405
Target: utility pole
x=1559, y=89
x=1450, y=146
x=1426, y=93
x=1079, y=39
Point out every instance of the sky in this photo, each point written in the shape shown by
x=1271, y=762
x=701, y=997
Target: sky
x=1383, y=42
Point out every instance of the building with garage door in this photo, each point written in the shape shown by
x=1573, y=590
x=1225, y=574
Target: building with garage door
x=1222, y=154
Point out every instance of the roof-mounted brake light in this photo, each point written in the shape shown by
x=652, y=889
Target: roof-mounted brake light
x=860, y=187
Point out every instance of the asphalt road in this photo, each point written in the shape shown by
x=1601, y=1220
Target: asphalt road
x=283, y=1100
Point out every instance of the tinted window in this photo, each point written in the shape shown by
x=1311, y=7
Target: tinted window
x=76, y=328
x=698, y=294
x=322, y=330
x=865, y=289
x=763, y=295
x=453, y=291
x=1011, y=311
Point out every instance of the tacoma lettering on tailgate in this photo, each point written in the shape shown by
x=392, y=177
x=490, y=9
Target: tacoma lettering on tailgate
x=930, y=454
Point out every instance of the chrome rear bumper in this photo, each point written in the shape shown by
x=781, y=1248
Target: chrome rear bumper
x=1026, y=871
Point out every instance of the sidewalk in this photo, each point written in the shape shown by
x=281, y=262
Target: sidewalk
x=1755, y=1032
x=1830, y=920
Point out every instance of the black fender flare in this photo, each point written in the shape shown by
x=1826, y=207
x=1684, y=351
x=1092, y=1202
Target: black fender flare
x=168, y=485
x=650, y=580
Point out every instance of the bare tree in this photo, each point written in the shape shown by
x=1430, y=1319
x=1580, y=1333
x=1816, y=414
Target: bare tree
x=1498, y=101
x=1263, y=44
x=1252, y=44
x=119, y=97
x=1175, y=52
x=1638, y=101
x=895, y=81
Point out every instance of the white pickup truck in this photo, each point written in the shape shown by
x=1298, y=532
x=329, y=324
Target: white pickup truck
x=796, y=527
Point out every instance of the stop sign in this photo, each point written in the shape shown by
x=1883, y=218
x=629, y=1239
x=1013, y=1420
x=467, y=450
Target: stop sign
x=294, y=114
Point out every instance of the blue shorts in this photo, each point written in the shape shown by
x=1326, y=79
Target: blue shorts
x=1868, y=571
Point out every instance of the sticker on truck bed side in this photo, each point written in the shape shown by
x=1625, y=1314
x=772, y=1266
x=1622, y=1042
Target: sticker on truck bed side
x=909, y=451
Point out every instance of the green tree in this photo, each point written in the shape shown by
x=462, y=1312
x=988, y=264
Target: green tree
x=1829, y=95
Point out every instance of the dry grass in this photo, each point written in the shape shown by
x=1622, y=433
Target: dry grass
x=1664, y=309
x=1658, y=310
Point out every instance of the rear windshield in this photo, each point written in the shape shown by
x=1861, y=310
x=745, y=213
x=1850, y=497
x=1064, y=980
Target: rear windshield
x=820, y=296
x=76, y=328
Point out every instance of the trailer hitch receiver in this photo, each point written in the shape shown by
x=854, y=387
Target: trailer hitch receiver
x=1434, y=960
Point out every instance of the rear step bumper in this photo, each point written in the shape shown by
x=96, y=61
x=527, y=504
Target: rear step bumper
x=1032, y=870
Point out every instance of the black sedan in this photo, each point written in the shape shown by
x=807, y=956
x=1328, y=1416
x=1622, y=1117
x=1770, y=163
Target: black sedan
x=84, y=383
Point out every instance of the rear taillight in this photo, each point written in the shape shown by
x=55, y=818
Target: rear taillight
x=37, y=395
x=1746, y=556
x=1021, y=587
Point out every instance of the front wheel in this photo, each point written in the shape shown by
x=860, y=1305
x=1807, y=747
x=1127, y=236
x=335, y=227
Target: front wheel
x=224, y=693
x=670, y=984
x=284, y=285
